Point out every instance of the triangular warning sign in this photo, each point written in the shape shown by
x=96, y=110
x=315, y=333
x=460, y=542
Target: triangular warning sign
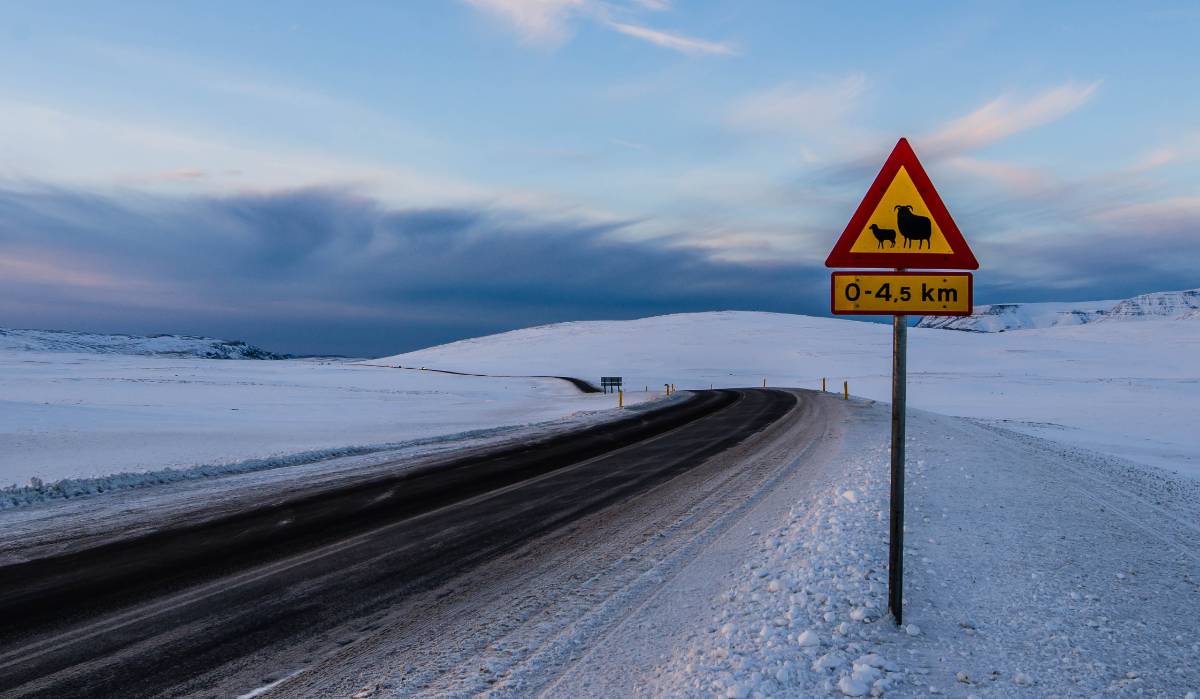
x=902, y=223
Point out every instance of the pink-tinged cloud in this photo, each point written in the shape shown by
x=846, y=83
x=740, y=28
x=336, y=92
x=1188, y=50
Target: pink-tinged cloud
x=49, y=269
x=536, y=21
x=1004, y=117
x=1014, y=178
x=1148, y=216
x=675, y=42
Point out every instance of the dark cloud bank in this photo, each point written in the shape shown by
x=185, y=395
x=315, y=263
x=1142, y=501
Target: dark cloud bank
x=328, y=271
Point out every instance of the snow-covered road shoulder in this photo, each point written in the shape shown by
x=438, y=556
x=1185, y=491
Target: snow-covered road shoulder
x=1032, y=569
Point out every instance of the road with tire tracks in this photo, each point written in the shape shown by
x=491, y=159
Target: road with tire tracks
x=259, y=596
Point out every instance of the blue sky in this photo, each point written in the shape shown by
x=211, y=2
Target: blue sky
x=374, y=177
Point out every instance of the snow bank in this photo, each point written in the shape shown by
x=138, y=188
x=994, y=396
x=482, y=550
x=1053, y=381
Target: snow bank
x=38, y=490
x=806, y=616
x=1031, y=570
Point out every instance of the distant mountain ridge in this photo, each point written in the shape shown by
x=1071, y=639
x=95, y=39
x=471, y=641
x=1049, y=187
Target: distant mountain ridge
x=999, y=317
x=139, y=345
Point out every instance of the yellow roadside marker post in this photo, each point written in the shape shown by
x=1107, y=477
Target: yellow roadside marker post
x=620, y=398
x=822, y=385
x=846, y=390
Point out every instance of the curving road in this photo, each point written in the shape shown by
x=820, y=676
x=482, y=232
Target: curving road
x=255, y=598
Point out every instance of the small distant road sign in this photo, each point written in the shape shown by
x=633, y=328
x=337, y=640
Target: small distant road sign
x=902, y=223
x=610, y=383
x=896, y=293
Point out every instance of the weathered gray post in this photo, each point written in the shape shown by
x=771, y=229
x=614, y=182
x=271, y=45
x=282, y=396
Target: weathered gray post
x=896, y=540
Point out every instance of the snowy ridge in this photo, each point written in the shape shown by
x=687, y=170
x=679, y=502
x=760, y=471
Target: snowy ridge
x=1164, y=304
x=141, y=345
x=999, y=317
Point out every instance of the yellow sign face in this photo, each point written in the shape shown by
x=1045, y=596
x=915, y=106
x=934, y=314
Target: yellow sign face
x=901, y=223
x=896, y=293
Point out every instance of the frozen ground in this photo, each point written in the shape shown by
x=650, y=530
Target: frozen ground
x=1032, y=570
x=90, y=415
x=1128, y=389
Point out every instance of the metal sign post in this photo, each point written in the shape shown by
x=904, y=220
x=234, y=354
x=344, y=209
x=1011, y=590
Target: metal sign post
x=896, y=538
x=901, y=224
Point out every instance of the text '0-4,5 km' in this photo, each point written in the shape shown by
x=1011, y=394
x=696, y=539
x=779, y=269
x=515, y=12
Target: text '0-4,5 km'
x=920, y=293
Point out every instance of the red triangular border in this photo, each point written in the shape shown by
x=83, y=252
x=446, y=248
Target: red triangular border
x=902, y=156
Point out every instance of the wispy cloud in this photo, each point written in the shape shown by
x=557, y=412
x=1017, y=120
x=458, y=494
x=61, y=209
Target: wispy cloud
x=656, y=5
x=1015, y=178
x=1004, y=117
x=1184, y=149
x=675, y=42
x=801, y=109
x=549, y=22
x=535, y=21
x=73, y=147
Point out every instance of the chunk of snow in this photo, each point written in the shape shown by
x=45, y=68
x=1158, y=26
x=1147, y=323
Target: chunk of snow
x=852, y=686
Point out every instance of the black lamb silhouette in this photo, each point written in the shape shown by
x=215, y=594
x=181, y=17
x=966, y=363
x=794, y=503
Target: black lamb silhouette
x=912, y=226
x=882, y=234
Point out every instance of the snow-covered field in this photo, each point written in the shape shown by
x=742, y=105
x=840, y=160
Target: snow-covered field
x=82, y=415
x=1128, y=389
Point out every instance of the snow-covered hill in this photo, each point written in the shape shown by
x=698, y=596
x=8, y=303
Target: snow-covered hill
x=999, y=317
x=1164, y=304
x=141, y=345
x=1123, y=388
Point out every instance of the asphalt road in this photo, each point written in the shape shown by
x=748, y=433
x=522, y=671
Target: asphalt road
x=162, y=615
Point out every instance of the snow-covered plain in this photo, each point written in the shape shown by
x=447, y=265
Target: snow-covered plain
x=84, y=415
x=1128, y=389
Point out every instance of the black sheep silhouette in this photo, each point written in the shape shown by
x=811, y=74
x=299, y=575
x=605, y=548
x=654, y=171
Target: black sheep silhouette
x=912, y=226
x=882, y=234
